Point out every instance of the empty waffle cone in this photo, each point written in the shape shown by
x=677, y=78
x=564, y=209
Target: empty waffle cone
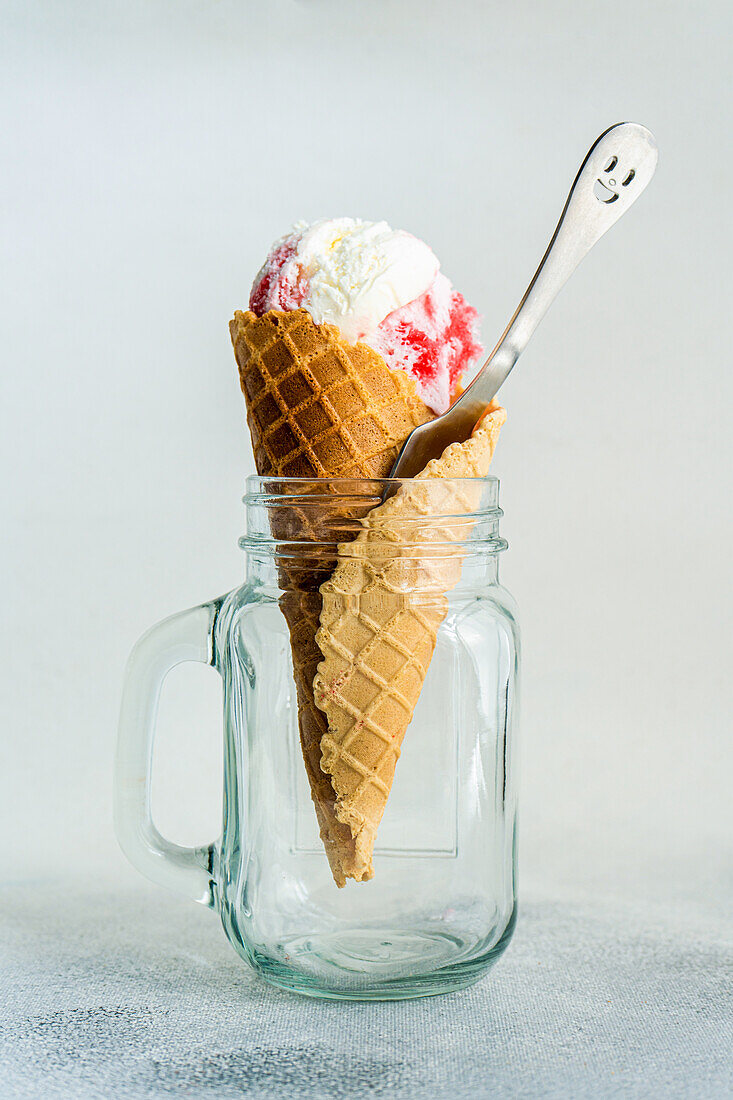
x=382, y=608
x=317, y=407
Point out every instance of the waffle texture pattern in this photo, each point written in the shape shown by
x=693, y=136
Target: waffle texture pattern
x=317, y=407
x=382, y=608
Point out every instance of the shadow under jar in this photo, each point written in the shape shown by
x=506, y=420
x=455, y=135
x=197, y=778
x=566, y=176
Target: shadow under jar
x=440, y=908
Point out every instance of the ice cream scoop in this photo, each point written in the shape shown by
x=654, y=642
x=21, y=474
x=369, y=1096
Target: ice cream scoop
x=616, y=169
x=379, y=286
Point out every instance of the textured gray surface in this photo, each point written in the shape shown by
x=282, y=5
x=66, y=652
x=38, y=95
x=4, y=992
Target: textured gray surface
x=110, y=992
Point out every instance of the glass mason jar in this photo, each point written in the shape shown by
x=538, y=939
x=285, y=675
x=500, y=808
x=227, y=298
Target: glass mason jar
x=440, y=908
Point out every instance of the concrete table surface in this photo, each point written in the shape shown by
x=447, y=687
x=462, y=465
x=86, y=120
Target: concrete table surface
x=112, y=991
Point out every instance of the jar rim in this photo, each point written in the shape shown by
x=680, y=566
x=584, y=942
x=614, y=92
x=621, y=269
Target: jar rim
x=297, y=514
x=260, y=488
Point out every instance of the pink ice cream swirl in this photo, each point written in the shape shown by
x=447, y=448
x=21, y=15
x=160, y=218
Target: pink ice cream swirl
x=433, y=336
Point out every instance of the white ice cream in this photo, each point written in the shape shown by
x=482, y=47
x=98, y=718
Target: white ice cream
x=360, y=272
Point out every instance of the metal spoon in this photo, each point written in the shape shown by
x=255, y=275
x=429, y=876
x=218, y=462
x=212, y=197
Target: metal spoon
x=616, y=170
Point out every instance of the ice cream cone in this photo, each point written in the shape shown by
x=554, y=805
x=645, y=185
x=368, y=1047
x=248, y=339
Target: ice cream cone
x=317, y=407
x=381, y=611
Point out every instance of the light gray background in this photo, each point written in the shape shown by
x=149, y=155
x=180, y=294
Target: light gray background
x=152, y=151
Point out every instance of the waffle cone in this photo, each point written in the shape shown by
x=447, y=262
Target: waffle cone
x=381, y=610
x=317, y=407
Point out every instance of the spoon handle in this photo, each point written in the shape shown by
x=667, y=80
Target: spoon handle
x=616, y=170
x=614, y=173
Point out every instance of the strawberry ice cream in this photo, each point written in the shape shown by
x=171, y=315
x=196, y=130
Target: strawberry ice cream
x=379, y=286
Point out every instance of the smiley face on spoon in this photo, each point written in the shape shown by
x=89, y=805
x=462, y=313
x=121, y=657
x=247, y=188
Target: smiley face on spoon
x=605, y=190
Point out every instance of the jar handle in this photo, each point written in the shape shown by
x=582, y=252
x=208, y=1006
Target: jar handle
x=186, y=636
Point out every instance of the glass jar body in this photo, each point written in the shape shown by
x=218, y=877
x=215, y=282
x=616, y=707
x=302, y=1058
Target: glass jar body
x=441, y=906
x=374, y=607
